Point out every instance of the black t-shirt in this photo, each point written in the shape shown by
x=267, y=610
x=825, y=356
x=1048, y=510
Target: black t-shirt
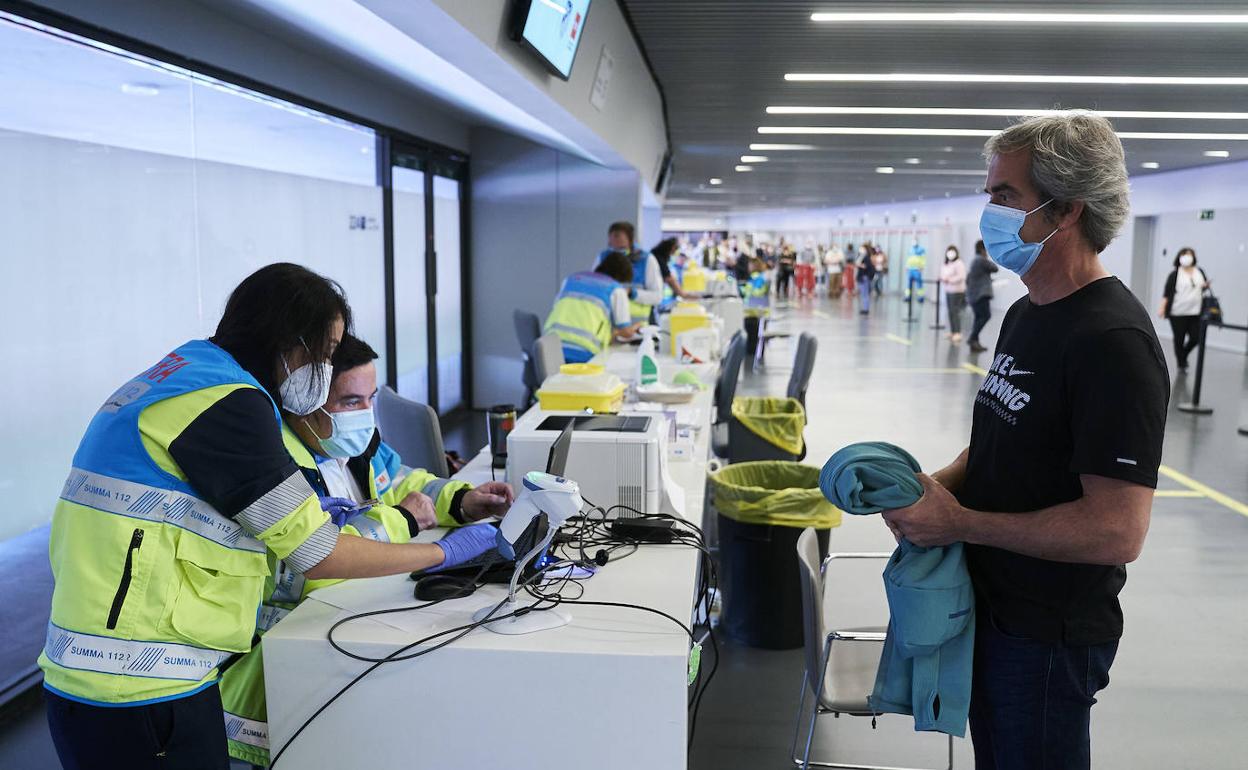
x=1077, y=386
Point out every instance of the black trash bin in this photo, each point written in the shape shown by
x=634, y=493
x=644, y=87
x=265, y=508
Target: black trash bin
x=762, y=509
x=766, y=428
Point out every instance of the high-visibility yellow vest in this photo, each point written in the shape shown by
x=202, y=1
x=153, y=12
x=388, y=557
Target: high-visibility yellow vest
x=154, y=587
x=242, y=686
x=582, y=316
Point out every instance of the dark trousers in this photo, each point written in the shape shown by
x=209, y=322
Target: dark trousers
x=957, y=306
x=180, y=734
x=1186, y=329
x=1031, y=701
x=982, y=309
x=783, y=277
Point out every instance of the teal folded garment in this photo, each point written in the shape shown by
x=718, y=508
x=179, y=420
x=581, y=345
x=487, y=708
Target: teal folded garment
x=925, y=666
x=870, y=477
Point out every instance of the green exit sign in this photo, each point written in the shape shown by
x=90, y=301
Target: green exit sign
x=1206, y=214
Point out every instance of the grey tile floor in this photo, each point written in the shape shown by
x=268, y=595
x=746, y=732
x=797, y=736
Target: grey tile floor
x=1179, y=693
x=1179, y=690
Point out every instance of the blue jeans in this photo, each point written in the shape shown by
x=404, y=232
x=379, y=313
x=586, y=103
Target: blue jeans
x=1031, y=701
x=864, y=292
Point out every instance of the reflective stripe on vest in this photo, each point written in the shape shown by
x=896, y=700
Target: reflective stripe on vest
x=287, y=585
x=248, y=731
x=370, y=529
x=269, y=616
x=140, y=501
x=106, y=655
x=581, y=337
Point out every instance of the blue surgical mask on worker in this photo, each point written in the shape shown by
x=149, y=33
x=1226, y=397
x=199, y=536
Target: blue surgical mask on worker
x=999, y=227
x=352, y=432
x=306, y=389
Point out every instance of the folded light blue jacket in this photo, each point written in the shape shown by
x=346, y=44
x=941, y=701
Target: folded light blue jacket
x=925, y=668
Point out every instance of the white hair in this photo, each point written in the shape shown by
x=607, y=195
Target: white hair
x=1075, y=156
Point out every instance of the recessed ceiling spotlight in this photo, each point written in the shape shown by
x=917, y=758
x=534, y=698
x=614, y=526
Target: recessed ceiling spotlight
x=913, y=161
x=951, y=77
x=744, y=168
x=1216, y=154
x=1009, y=17
x=140, y=89
x=754, y=158
x=1150, y=164
x=884, y=169
x=716, y=180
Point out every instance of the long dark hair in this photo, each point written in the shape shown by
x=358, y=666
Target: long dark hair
x=277, y=308
x=663, y=249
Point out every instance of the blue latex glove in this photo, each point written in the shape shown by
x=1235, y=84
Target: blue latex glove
x=339, y=509
x=465, y=544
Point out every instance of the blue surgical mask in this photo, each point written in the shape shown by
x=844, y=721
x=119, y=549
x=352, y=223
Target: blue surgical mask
x=999, y=226
x=352, y=433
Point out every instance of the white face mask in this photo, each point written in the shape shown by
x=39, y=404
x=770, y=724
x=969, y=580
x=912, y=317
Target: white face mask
x=304, y=392
x=951, y=255
x=1186, y=260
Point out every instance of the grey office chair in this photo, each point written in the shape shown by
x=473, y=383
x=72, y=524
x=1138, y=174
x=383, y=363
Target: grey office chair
x=726, y=391
x=803, y=366
x=528, y=329
x=840, y=664
x=413, y=430
x=547, y=357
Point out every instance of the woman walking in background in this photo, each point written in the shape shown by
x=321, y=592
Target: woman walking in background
x=834, y=264
x=979, y=293
x=850, y=282
x=953, y=276
x=866, y=276
x=1181, y=303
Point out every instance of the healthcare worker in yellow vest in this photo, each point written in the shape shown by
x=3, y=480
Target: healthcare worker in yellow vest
x=592, y=309
x=180, y=486
x=340, y=450
x=645, y=290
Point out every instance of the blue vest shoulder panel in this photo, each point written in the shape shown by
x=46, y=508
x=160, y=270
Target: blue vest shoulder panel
x=111, y=445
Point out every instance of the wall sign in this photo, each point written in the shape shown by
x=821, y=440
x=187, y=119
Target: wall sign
x=1206, y=214
x=602, y=80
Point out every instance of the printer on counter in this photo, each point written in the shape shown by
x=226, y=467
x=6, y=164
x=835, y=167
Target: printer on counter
x=616, y=459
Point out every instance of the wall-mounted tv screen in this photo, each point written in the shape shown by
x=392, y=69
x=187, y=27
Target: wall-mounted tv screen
x=552, y=29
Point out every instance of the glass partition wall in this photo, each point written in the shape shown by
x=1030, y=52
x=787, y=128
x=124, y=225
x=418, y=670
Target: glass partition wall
x=134, y=196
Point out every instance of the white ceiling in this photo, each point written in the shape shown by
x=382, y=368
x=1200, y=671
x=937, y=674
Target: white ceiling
x=723, y=62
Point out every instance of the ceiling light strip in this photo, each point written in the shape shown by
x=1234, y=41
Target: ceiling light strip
x=1006, y=17
x=924, y=77
x=979, y=132
x=1007, y=112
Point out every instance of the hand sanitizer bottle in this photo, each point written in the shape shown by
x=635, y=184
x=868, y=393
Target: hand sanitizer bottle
x=647, y=362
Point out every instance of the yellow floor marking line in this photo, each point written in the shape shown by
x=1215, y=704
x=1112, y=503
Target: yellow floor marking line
x=821, y=314
x=898, y=340
x=975, y=369
x=1207, y=491
x=1178, y=493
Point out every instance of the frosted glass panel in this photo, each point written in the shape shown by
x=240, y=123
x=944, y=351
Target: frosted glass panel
x=133, y=198
x=411, y=328
x=449, y=307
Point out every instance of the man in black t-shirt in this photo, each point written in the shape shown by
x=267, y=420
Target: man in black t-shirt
x=1054, y=493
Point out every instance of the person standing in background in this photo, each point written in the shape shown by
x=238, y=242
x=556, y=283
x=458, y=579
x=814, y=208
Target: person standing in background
x=851, y=267
x=834, y=264
x=953, y=276
x=866, y=276
x=1181, y=303
x=979, y=293
x=784, y=270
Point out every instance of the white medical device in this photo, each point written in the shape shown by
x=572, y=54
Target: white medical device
x=544, y=503
x=616, y=459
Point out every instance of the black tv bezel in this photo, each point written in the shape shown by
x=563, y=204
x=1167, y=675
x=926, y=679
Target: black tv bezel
x=520, y=15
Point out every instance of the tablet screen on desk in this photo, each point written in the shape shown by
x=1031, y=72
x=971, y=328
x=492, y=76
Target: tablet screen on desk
x=608, y=423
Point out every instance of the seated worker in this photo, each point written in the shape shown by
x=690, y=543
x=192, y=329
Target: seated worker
x=663, y=251
x=349, y=465
x=592, y=309
x=646, y=280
